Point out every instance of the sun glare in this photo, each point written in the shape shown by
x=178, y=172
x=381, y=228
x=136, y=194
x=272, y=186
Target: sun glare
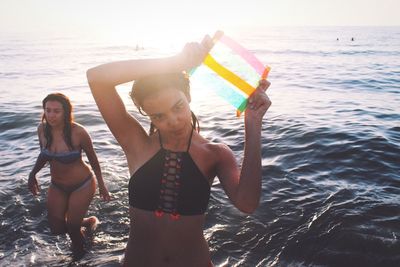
x=163, y=33
x=172, y=23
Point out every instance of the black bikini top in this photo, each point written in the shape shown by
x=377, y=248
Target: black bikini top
x=170, y=182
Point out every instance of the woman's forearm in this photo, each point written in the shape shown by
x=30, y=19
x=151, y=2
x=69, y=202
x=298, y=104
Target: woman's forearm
x=94, y=163
x=249, y=190
x=40, y=162
x=97, y=172
x=120, y=72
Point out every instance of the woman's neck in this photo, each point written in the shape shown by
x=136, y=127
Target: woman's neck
x=57, y=129
x=176, y=142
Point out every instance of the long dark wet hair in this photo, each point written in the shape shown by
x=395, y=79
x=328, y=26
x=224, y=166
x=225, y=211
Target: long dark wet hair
x=148, y=85
x=68, y=118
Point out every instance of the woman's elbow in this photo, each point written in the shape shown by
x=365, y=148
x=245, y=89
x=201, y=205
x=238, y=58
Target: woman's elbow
x=91, y=75
x=98, y=77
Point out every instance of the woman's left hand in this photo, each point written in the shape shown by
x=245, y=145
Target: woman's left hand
x=194, y=53
x=259, y=102
x=103, y=192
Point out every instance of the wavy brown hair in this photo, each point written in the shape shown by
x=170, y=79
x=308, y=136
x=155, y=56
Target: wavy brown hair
x=68, y=118
x=148, y=85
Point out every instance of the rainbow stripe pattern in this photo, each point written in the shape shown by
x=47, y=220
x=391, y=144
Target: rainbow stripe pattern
x=239, y=71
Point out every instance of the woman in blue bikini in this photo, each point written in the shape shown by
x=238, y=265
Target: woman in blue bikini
x=73, y=183
x=173, y=167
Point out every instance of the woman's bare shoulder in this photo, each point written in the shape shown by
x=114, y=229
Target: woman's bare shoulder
x=214, y=148
x=40, y=127
x=77, y=126
x=41, y=135
x=78, y=129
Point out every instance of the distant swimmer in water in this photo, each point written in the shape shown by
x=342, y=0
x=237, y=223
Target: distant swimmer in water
x=173, y=166
x=73, y=182
x=137, y=47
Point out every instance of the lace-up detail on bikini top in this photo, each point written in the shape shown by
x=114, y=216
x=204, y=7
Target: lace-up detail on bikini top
x=170, y=182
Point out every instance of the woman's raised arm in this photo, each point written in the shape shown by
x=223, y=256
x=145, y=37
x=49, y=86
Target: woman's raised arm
x=243, y=186
x=103, y=80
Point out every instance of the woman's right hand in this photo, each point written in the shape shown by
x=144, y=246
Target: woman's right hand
x=33, y=185
x=194, y=53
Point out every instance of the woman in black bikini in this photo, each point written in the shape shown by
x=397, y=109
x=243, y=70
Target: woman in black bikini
x=173, y=167
x=72, y=184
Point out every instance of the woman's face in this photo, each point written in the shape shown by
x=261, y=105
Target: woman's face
x=169, y=111
x=54, y=113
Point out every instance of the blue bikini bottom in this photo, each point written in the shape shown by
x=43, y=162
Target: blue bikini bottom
x=68, y=190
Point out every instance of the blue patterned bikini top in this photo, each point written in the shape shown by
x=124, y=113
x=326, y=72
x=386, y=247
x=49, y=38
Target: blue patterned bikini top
x=63, y=157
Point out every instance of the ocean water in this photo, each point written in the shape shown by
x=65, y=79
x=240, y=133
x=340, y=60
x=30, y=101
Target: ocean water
x=330, y=149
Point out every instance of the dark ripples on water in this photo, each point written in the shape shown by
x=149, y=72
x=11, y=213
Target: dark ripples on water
x=329, y=199
x=331, y=147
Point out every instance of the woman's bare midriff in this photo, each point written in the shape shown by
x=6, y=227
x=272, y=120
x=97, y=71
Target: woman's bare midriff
x=69, y=174
x=162, y=241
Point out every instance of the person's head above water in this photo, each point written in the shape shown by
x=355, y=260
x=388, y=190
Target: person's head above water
x=150, y=87
x=65, y=105
x=57, y=108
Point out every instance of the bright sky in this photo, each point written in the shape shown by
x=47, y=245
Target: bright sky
x=161, y=17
